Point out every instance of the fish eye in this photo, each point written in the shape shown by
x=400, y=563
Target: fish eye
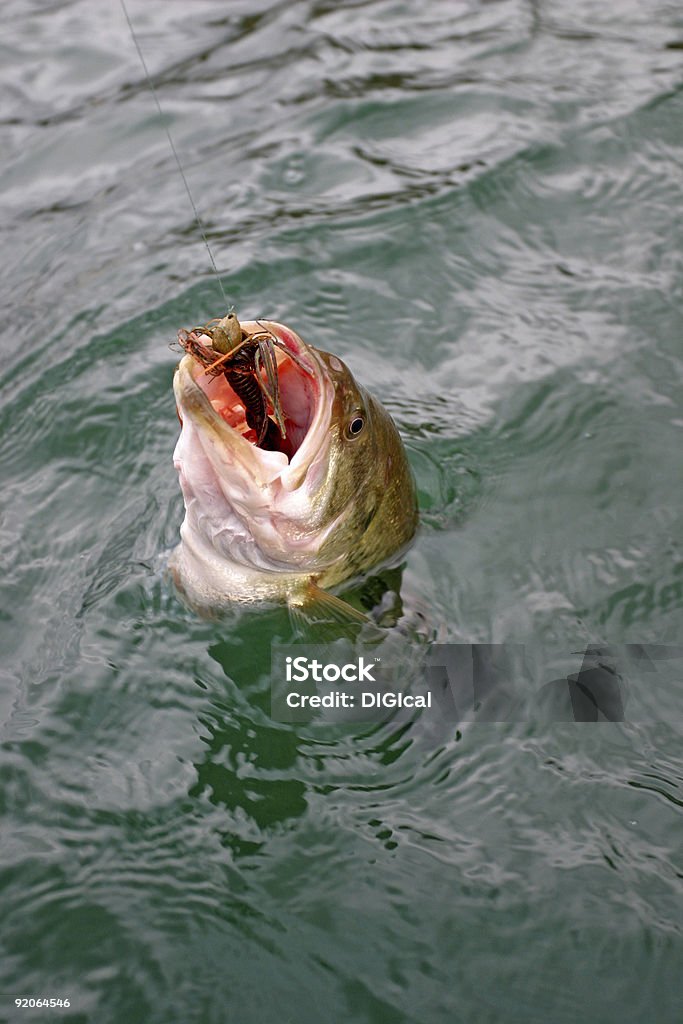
x=355, y=426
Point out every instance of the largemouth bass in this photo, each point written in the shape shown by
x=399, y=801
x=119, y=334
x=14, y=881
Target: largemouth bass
x=333, y=500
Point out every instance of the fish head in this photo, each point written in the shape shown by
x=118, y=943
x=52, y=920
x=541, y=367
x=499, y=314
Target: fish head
x=334, y=500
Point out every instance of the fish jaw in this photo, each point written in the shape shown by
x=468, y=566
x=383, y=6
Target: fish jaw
x=253, y=525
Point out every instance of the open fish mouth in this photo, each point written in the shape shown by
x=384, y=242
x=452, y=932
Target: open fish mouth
x=217, y=412
x=315, y=496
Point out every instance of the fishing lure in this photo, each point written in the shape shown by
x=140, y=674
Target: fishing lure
x=244, y=357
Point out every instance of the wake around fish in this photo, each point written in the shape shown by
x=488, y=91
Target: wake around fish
x=327, y=497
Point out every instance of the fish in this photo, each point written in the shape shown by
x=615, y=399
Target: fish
x=335, y=499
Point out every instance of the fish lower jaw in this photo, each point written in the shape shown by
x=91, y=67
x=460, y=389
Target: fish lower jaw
x=210, y=580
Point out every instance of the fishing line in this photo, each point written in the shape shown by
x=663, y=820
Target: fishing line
x=175, y=152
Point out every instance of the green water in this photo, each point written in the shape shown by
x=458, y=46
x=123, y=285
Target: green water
x=477, y=205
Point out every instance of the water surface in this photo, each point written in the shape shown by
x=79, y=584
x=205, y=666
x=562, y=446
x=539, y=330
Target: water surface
x=475, y=204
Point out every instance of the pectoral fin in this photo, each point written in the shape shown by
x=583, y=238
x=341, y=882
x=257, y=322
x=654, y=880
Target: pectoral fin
x=328, y=617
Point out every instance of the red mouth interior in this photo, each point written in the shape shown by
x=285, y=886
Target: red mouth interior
x=297, y=398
